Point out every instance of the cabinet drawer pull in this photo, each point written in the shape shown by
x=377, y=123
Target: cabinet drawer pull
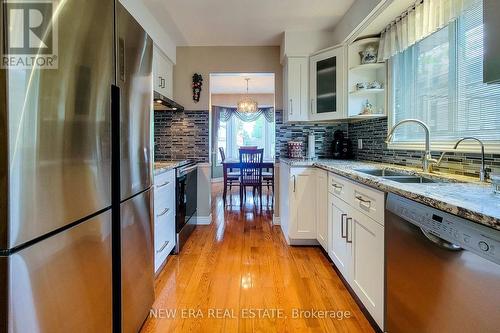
x=360, y=198
x=162, y=185
x=291, y=107
x=347, y=230
x=337, y=186
x=165, y=211
x=163, y=247
x=342, y=225
x=294, y=183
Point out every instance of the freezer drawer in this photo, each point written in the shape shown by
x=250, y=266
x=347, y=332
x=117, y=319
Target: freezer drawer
x=137, y=265
x=63, y=283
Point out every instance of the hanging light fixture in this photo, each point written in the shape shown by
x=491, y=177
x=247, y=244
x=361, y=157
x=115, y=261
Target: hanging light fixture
x=247, y=104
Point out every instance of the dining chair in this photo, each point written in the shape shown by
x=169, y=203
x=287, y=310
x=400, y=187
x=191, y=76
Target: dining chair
x=232, y=178
x=251, y=172
x=268, y=182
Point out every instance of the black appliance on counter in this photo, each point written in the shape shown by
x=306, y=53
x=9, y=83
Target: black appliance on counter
x=186, y=196
x=342, y=147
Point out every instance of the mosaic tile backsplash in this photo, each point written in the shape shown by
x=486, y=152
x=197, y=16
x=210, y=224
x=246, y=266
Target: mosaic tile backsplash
x=181, y=135
x=185, y=135
x=299, y=132
x=374, y=131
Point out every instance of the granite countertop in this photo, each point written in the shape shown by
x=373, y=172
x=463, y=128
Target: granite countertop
x=459, y=195
x=164, y=166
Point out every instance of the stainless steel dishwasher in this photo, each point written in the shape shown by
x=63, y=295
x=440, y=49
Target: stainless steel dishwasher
x=442, y=271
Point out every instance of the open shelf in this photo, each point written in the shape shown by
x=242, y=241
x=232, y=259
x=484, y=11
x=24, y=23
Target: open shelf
x=361, y=92
x=374, y=66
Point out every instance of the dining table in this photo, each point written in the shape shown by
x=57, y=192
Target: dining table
x=229, y=164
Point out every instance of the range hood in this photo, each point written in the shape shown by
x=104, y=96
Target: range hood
x=163, y=103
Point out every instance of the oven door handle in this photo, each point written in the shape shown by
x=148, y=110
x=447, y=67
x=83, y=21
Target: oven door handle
x=187, y=170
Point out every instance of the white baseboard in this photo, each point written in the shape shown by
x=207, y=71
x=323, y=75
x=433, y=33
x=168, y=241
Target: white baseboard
x=276, y=220
x=217, y=180
x=303, y=242
x=204, y=220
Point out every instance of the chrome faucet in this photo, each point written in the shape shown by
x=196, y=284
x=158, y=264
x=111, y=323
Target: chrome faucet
x=427, y=159
x=482, y=171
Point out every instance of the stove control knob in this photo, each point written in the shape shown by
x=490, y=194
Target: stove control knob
x=483, y=246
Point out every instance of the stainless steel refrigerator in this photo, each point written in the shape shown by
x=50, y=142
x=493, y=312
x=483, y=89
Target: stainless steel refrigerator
x=134, y=79
x=56, y=167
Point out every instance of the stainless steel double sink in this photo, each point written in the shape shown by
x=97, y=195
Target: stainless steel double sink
x=400, y=177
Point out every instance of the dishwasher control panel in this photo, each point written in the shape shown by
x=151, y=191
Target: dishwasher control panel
x=469, y=235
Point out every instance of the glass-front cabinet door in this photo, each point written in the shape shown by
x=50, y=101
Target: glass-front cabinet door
x=327, y=84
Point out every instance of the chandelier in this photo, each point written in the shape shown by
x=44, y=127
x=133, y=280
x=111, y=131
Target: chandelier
x=247, y=104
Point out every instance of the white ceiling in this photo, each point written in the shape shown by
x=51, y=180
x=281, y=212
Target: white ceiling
x=243, y=22
x=259, y=83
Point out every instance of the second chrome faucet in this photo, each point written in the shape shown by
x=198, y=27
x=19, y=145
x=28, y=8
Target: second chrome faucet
x=427, y=160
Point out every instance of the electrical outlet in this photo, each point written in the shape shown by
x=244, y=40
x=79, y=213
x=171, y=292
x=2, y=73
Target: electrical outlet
x=360, y=143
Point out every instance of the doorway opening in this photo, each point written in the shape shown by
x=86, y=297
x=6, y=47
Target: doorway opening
x=233, y=129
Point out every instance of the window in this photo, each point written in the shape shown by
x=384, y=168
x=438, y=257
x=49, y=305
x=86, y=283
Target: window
x=440, y=81
x=236, y=133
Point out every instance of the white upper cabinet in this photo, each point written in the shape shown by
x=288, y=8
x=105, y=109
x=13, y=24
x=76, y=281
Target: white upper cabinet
x=163, y=71
x=327, y=86
x=295, y=89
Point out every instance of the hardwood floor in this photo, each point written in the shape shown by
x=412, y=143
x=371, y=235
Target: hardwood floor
x=238, y=275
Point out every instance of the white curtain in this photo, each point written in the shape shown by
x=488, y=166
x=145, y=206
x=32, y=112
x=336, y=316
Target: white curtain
x=418, y=22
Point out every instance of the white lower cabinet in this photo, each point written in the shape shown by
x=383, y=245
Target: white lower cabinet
x=298, y=204
x=346, y=218
x=367, y=271
x=340, y=249
x=356, y=244
x=322, y=208
x=164, y=218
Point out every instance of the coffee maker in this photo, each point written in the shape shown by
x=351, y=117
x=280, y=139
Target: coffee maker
x=342, y=147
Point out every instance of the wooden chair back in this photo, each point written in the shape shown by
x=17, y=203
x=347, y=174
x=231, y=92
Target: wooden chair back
x=251, y=166
x=251, y=155
x=222, y=154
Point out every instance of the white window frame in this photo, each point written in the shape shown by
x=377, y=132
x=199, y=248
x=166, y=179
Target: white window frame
x=232, y=148
x=491, y=146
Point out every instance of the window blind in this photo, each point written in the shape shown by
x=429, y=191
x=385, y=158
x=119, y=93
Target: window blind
x=439, y=80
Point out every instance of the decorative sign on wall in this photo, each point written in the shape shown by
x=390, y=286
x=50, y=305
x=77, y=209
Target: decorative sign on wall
x=197, y=83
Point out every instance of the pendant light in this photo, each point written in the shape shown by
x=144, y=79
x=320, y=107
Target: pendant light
x=247, y=104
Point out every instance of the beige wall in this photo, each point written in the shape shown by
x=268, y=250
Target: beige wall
x=231, y=100
x=222, y=59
